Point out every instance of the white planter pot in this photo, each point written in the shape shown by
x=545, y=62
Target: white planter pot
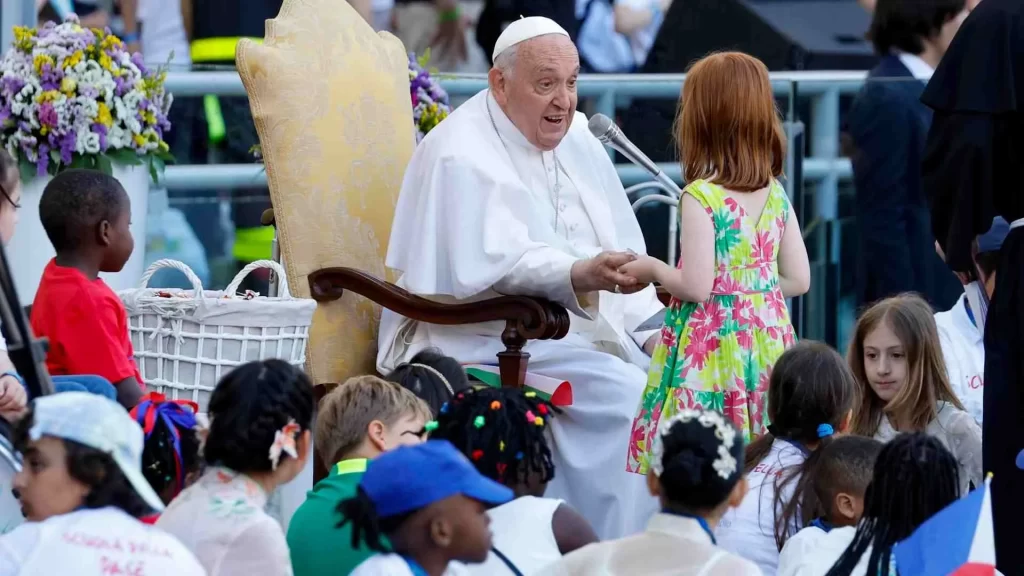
x=30, y=249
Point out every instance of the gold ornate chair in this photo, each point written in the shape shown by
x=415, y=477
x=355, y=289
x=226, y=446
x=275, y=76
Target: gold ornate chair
x=330, y=99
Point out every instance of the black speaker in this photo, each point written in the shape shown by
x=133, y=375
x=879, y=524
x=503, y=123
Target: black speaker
x=784, y=34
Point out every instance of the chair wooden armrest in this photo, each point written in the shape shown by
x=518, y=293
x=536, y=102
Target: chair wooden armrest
x=664, y=296
x=525, y=318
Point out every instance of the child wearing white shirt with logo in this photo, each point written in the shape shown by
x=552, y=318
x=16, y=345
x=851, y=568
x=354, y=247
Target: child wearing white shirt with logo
x=839, y=481
x=962, y=327
x=810, y=397
x=83, y=492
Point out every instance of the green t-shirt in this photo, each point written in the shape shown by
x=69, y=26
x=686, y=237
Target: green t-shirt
x=318, y=546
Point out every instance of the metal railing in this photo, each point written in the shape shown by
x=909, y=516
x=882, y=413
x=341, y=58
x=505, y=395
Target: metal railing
x=823, y=167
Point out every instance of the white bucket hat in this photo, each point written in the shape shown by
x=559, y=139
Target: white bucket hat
x=100, y=423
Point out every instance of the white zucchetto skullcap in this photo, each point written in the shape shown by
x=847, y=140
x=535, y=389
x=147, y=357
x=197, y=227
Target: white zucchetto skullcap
x=524, y=29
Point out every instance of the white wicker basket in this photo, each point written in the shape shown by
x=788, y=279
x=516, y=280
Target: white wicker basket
x=185, y=343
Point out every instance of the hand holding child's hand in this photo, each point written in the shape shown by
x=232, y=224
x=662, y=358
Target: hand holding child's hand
x=644, y=269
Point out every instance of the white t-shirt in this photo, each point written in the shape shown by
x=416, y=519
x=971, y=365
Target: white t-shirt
x=395, y=565
x=963, y=347
x=749, y=530
x=522, y=532
x=802, y=545
x=94, y=542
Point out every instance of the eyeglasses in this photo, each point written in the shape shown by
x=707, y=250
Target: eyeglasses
x=8, y=197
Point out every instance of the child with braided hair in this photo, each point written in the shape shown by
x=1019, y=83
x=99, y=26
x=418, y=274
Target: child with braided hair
x=502, y=431
x=170, y=454
x=259, y=438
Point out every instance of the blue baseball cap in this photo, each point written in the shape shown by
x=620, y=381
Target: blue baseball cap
x=413, y=477
x=992, y=240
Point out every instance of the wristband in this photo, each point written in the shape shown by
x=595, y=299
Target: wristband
x=128, y=38
x=14, y=375
x=451, y=15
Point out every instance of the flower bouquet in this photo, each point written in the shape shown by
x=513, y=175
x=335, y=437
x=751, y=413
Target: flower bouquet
x=429, y=100
x=73, y=97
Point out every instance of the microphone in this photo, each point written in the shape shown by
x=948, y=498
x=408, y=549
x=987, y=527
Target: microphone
x=609, y=134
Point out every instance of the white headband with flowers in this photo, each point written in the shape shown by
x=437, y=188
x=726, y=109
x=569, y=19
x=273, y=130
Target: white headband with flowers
x=724, y=465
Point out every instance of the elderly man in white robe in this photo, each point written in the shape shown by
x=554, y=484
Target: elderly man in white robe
x=512, y=195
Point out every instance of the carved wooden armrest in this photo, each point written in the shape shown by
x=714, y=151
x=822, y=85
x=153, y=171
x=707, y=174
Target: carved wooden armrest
x=664, y=296
x=525, y=318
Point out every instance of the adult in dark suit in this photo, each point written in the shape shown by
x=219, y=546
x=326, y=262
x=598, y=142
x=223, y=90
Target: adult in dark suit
x=974, y=170
x=888, y=126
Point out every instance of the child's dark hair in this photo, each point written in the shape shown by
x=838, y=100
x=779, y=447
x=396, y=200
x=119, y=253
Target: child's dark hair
x=97, y=470
x=75, y=202
x=432, y=376
x=845, y=465
x=247, y=409
x=501, y=430
x=689, y=481
x=9, y=176
x=367, y=526
x=171, y=449
x=914, y=477
x=810, y=392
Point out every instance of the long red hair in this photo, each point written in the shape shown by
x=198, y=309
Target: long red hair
x=728, y=129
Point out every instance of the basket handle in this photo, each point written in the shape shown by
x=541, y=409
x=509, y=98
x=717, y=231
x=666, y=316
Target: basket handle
x=232, y=288
x=197, y=284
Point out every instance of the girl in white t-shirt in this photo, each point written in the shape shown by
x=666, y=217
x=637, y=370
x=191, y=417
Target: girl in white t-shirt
x=810, y=396
x=502, y=431
x=904, y=386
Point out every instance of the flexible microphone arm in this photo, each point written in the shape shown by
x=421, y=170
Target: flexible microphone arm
x=609, y=134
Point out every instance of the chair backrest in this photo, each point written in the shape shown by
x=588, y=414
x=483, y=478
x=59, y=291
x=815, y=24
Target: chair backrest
x=330, y=98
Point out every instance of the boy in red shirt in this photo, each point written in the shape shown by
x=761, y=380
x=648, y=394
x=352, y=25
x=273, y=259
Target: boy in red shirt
x=86, y=215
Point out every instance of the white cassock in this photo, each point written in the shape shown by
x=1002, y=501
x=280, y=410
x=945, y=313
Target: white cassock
x=480, y=215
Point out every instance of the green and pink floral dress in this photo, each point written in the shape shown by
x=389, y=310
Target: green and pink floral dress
x=718, y=354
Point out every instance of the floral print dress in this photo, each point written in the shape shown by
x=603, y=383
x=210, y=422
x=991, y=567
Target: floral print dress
x=718, y=354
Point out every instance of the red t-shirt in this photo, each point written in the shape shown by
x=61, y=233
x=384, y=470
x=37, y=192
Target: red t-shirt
x=86, y=324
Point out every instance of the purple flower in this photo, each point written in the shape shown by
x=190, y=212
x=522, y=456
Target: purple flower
x=99, y=129
x=67, y=144
x=44, y=160
x=11, y=85
x=47, y=114
x=5, y=112
x=137, y=60
x=121, y=86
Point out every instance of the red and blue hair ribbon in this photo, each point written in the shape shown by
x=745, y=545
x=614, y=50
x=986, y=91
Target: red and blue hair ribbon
x=174, y=414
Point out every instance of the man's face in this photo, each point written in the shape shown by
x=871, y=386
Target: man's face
x=539, y=96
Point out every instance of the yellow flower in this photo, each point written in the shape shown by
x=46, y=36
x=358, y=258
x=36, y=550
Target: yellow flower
x=48, y=96
x=41, y=60
x=24, y=37
x=148, y=117
x=139, y=140
x=44, y=130
x=163, y=147
x=73, y=60
x=110, y=42
x=68, y=86
x=105, y=62
x=103, y=115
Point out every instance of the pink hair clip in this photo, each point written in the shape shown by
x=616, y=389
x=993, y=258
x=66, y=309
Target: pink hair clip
x=284, y=441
